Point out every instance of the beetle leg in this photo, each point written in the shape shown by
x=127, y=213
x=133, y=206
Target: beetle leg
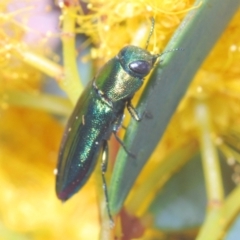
x=116, y=126
x=101, y=94
x=122, y=144
x=133, y=111
x=118, y=122
x=104, y=165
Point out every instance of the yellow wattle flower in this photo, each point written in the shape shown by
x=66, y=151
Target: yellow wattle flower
x=29, y=138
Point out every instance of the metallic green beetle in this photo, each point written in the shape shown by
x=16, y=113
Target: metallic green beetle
x=98, y=114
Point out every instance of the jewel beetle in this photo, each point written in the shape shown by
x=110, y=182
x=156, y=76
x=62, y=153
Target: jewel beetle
x=99, y=113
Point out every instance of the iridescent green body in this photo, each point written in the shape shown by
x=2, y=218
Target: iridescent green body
x=98, y=113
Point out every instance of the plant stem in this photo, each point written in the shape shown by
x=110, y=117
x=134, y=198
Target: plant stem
x=72, y=83
x=46, y=102
x=211, y=167
x=43, y=64
x=218, y=220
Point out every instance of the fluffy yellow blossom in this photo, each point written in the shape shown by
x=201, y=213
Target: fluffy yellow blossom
x=31, y=120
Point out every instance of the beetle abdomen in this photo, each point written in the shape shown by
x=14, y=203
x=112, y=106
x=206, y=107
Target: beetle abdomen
x=87, y=127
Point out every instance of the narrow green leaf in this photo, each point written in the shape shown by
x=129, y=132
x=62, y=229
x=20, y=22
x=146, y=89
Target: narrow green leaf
x=196, y=35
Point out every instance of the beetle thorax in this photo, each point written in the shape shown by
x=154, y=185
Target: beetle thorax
x=123, y=75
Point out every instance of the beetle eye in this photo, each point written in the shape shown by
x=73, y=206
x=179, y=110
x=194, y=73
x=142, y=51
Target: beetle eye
x=140, y=67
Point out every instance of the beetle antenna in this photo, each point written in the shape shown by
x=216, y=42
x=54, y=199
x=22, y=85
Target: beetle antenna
x=168, y=51
x=151, y=32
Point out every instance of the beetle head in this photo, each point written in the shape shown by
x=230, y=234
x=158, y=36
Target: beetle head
x=137, y=62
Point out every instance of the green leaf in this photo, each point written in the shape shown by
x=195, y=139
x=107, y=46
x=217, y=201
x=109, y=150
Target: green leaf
x=196, y=35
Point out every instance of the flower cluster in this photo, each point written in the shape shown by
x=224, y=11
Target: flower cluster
x=206, y=120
